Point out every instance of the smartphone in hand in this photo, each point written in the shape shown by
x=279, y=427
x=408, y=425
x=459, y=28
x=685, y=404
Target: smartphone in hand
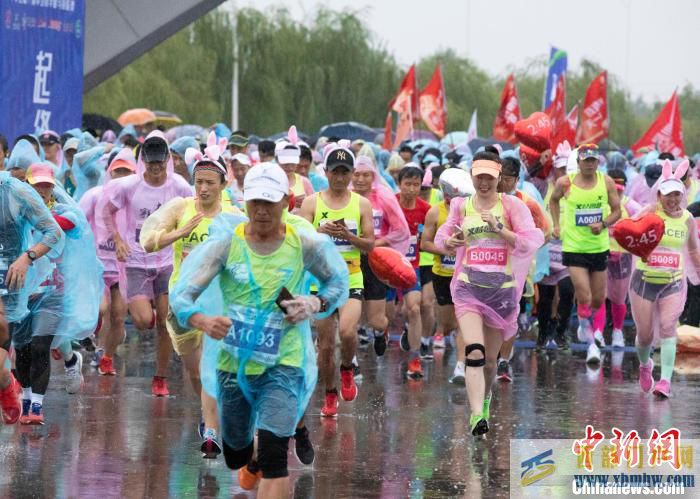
x=283, y=296
x=458, y=232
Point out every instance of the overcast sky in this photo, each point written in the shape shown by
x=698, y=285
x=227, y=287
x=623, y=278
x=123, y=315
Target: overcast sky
x=651, y=46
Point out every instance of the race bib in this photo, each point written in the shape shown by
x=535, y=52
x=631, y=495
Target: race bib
x=108, y=245
x=448, y=262
x=377, y=217
x=489, y=255
x=556, y=262
x=138, y=234
x=413, y=248
x=584, y=218
x=4, y=267
x=342, y=245
x=254, y=336
x=664, y=259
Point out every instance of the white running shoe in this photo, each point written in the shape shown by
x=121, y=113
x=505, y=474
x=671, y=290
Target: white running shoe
x=593, y=356
x=598, y=338
x=618, y=339
x=583, y=330
x=457, y=377
x=74, y=375
x=438, y=341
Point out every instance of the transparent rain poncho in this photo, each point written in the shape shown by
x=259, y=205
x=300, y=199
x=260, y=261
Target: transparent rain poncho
x=223, y=277
x=88, y=167
x=389, y=221
x=486, y=297
x=24, y=221
x=22, y=156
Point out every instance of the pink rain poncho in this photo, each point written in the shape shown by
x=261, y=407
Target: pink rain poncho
x=498, y=306
x=389, y=222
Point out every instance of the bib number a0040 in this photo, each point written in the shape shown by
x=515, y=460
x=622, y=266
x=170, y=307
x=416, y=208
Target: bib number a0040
x=255, y=332
x=488, y=255
x=584, y=218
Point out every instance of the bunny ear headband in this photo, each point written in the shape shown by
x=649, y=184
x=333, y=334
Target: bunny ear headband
x=209, y=160
x=670, y=180
x=562, y=155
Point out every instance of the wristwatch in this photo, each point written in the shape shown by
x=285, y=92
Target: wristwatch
x=324, y=304
x=31, y=255
x=499, y=227
x=605, y=224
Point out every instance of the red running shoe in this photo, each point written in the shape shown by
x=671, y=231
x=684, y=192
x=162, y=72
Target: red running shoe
x=106, y=368
x=10, y=404
x=348, y=388
x=330, y=407
x=159, y=387
x=249, y=477
x=415, y=369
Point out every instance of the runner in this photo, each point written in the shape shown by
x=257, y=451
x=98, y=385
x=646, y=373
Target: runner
x=183, y=223
x=287, y=154
x=619, y=273
x=583, y=230
x=265, y=367
x=346, y=217
x=416, y=338
x=454, y=183
x=658, y=287
x=390, y=229
x=146, y=275
x=495, y=241
x=239, y=166
x=10, y=404
x=113, y=306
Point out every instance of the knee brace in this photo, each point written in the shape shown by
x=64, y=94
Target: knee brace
x=474, y=362
x=272, y=454
x=236, y=459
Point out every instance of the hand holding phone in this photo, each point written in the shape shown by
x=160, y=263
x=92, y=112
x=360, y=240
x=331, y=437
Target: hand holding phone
x=284, y=295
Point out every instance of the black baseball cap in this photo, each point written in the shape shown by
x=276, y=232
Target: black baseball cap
x=340, y=157
x=154, y=149
x=49, y=137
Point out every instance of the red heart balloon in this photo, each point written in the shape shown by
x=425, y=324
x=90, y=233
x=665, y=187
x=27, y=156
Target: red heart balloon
x=392, y=268
x=640, y=237
x=535, y=131
x=528, y=155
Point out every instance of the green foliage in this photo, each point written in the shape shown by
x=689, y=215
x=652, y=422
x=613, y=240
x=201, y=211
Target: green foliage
x=332, y=69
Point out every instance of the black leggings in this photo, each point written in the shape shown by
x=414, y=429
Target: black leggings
x=33, y=363
x=544, y=307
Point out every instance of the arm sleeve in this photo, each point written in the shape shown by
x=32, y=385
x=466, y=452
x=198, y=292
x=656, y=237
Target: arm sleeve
x=324, y=262
x=162, y=221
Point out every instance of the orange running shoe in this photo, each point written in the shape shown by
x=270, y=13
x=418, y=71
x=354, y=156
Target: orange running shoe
x=330, y=408
x=106, y=367
x=249, y=476
x=159, y=387
x=348, y=388
x=10, y=405
x=415, y=369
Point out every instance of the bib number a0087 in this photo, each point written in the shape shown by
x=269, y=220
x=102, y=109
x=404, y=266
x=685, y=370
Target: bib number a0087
x=255, y=332
x=584, y=218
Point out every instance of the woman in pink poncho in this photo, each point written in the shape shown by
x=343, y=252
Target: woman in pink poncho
x=658, y=288
x=495, y=238
x=390, y=229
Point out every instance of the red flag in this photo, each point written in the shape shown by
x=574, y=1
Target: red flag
x=666, y=132
x=594, y=118
x=557, y=109
x=387, y=132
x=566, y=130
x=407, y=91
x=404, y=129
x=508, y=113
x=433, y=105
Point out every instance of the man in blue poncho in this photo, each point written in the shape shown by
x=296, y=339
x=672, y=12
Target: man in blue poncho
x=265, y=367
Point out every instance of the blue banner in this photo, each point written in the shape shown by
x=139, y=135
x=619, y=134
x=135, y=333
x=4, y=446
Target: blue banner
x=41, y=69
x=557, y=67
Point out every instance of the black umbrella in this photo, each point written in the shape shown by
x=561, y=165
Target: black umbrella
x=101, y=123
x=350, y=130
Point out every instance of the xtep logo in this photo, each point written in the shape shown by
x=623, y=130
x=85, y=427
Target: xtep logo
x=536, y=468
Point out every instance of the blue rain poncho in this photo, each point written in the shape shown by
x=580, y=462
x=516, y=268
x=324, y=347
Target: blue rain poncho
x=223, y=277
x=23, y=155
x=22, y=212
x=88, y=169
x=179, y=146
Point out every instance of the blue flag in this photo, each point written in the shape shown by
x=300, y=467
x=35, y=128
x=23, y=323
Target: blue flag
x=41, y=71
x=557, y=67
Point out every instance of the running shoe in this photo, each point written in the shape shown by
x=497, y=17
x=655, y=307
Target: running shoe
x=74, y=375
x=97, y=357
x=593, y=355
x=552, y=344
x=426, y=351
x=403, y=343
x=26, y=408
x=210, y=446
x=646, y=380
x=583, y=330
x=56, y=354
x=599, y=340
x=303, y=448
x=36, y=414
x=201, y=428
x=10, y=405
x=438, y=341
x=415, y=369
x=503, y=371
x=363, y=336
x=561, y=340
x=106, y=367
x=457, y=377
x=478, y=425
x=348, y=388
x=249, y=476
x=357, y=374
x=486, y=409
x=618, y=339
x=88, y=344
x=380, y=343
x=663, y=388
x=330, y=406
x=159, y=387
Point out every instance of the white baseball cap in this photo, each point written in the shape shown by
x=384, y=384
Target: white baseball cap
x=671, y=185
x=266, y=182
x=241, y=158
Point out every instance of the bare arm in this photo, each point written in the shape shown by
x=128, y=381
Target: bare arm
x=613, y=201
x=308, y=208
x=427, y=241
x=557, y=194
